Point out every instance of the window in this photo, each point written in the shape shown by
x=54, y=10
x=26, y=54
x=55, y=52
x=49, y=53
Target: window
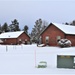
x=19, y=39
x=25, y=39
x=47, y=39
x=58, y=37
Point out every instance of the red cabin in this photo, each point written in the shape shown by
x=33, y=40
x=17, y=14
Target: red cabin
x=18, y=37
x=55, y=31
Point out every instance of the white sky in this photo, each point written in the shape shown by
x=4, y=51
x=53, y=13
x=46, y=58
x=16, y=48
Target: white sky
x=28, y=11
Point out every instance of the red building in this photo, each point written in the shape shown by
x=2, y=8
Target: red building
x=17, y=37
x=54, y=32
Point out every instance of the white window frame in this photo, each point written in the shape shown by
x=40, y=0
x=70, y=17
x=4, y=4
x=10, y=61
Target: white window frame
x=47, y=39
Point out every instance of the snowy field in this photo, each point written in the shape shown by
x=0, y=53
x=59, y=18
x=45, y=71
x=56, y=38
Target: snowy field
x=23, y=59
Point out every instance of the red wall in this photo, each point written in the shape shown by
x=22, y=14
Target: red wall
x=52, y=32
x=10, y=41
x=23, y=37
x=71, y=38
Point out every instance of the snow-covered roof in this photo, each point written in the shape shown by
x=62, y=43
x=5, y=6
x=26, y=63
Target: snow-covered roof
x=11, y=34
x=67, y=29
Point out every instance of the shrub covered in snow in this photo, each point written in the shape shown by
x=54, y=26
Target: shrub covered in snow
x=64, y=43
x=42, y=64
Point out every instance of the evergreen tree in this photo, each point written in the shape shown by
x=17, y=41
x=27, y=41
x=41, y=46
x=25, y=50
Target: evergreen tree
x=38, y=27
x=66, y=23
x=26, y=28
x=14, y=26
x=5, y=27
x=73, y=23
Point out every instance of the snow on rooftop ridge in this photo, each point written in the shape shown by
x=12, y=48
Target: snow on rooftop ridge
x=68, y=29
x=11, y=34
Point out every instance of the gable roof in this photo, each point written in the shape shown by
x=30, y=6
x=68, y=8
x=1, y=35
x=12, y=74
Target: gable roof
x=11, y=34
x=67, y=29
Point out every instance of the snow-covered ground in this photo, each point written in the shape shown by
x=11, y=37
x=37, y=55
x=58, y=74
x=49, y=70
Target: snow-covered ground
x=23, y=59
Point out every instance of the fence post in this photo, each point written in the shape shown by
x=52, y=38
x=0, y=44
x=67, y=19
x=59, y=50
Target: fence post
x=6, y=48
x=35, y=58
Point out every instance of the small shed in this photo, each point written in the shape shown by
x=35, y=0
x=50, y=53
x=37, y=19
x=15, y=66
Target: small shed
x=66, y=61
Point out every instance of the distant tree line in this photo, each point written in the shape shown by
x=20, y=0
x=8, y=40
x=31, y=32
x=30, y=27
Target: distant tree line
x=14, y=26
x=71, y=23
x=39, y=26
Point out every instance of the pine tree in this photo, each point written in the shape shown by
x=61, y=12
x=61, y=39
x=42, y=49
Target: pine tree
x=14, y=26
x=26, y=28
x=73, y=23
x=66, y=23
x=38, y=27
x=5, y=27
